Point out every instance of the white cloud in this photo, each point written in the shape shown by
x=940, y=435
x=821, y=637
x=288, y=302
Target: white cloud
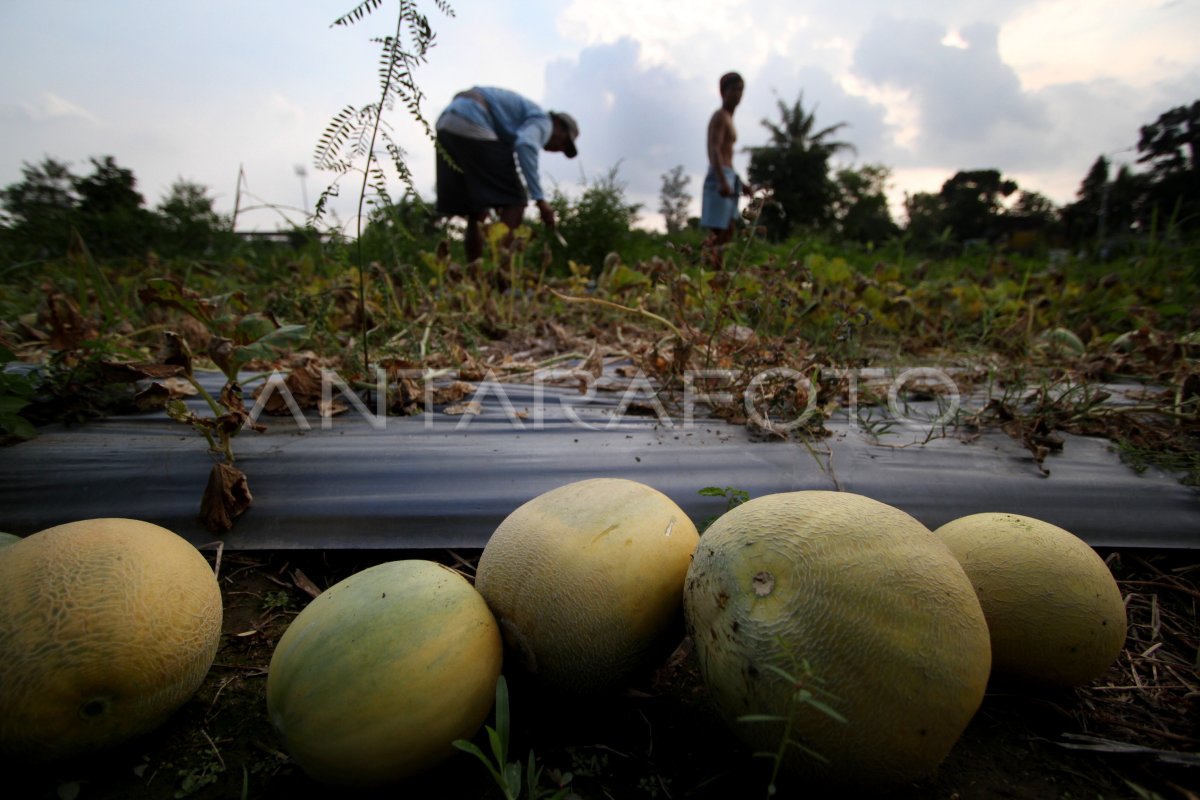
x=1035, y=88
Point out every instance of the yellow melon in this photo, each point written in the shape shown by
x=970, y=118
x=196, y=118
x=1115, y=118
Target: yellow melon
x=106, y=627
x=857, y=603
x=8, y=538
x=375, y=679
x=1054, y=610
x=587, y=579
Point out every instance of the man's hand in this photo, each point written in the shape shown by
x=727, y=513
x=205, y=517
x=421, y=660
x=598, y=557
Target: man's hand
x=547, y=214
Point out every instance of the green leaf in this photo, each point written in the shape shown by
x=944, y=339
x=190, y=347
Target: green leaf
x=268, y=346
x=171, y=293
x=18, y=426
x=499, y=746
x=512, y=780
x=825, y=708
x=468, y=747
x=11, y=405
x=252, y=328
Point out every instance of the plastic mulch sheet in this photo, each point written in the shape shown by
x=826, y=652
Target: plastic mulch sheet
x=445, y=481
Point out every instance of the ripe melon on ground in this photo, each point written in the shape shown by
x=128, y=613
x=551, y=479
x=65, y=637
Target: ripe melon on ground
x=375, y=678
x=861, y=604
x=587, y=579
x=1054, y=610
x=106, y=627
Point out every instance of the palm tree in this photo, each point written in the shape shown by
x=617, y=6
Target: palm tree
x=795, y=163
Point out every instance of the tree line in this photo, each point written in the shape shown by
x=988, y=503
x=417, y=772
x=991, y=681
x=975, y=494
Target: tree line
x=53, y=210
x=973, y=205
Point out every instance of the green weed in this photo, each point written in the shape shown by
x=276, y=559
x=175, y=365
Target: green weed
x=515, y=779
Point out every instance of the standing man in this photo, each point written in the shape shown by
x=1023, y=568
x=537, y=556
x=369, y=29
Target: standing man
x=719, y=203
x=481, y=131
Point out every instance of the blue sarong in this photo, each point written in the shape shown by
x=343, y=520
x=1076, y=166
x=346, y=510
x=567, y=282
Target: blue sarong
x=717, y=212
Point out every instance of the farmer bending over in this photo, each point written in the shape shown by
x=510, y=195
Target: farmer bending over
x=719, y=204
x=481, y=130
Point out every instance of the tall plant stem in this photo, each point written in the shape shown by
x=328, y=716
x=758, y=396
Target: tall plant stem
x=362, y=197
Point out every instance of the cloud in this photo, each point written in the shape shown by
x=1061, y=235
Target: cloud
x=826, y=99
x=49, y=108
x=971, y=109
x=646, y=119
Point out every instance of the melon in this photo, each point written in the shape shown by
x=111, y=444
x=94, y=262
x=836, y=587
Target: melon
x=1054, y=610
x=586, y=581
x=8, y=538
x=106, y=627
x=854, y=602
x=374, y=680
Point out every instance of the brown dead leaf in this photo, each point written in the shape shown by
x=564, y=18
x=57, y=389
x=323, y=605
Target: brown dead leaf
x=305, y=585
x=453, y=392
x=226, y=498
x=153, y=397
x=303, y=383
x=473, y=407
x=68, y=327
x=594, y=363
x=131, y=372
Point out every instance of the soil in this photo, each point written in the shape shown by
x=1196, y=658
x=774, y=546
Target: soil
x=661, y=738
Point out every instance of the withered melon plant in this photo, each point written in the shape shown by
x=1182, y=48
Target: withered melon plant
x=238, y=336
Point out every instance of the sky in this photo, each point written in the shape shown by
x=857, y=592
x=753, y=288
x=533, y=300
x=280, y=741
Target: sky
x=235, y=94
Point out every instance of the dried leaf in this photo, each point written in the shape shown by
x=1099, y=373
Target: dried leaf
x=152, y=398
x=474, y=408
x=176, y=351
x=131, y=372
x=226, y=497
x=452, y=393
x=305, y=585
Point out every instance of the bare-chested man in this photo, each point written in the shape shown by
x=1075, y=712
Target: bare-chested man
x=719, y=203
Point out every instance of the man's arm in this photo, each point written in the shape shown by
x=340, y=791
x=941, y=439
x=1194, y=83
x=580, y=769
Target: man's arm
x=530, y=140
x=718, y=126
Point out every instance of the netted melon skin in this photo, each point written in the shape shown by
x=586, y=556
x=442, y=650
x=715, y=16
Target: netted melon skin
x=107, y=626
x=860, y=603
x=1055, y=612
x=586, y=581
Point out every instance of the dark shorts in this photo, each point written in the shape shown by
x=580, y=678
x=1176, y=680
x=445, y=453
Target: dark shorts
x=486, y=177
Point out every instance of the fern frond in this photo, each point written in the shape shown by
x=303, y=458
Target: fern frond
x=335, y=136
x=358, y=12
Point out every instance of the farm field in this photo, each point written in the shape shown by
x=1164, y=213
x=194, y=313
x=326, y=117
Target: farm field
x=783, y=329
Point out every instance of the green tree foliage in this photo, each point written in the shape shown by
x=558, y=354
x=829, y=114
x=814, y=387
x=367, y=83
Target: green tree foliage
x=112, y=215
x=190, y=223
x=860, y=205
x=969, y=206
x=1170, y=146
x=795, y=164
x=1104, y=210
x=396, y=234
x=674, y=200
x=1082, y=217
x=599, y=222
x=51, y=207
x=39, y=211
